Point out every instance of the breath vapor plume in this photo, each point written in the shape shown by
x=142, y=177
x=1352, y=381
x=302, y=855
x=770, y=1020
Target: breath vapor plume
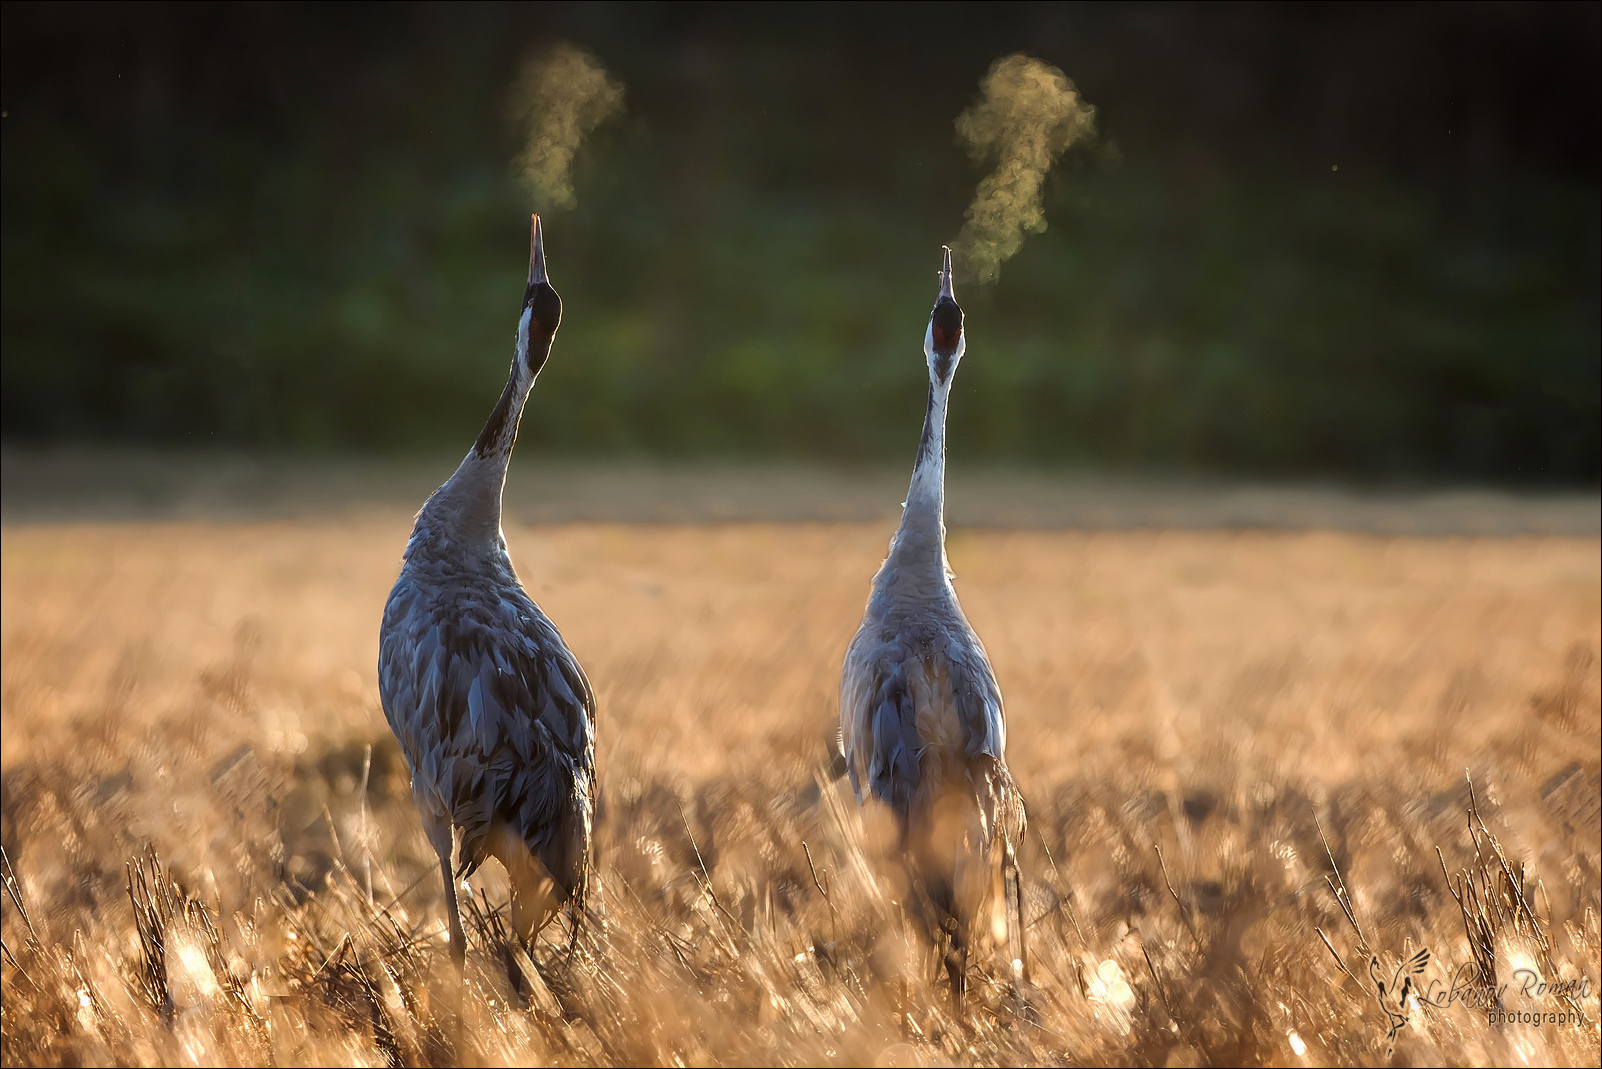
x=559, y=98
x=1028, y=115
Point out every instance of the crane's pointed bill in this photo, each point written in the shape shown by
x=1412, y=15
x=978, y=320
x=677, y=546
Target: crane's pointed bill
x=536, y=254
x=945, y=272
x=539, y=299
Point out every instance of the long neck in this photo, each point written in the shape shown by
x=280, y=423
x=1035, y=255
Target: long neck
x=467, y=508
x=920, y=542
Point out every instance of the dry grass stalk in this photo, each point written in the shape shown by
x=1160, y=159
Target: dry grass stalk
x=1242, y=754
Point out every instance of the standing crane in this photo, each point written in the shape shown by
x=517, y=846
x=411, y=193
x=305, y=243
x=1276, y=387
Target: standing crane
x=493, y=713
x=921, y=722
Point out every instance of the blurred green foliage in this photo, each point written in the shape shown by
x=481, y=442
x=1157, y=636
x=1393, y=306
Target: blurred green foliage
x=1311, y=241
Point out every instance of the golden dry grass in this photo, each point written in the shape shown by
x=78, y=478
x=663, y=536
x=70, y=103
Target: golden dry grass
x=1191, y=715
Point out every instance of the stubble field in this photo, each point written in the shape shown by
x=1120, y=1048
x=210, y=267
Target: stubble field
x=1246, y=758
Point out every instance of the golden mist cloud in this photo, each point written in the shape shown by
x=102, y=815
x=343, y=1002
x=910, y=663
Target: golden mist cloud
x=1028, y=115
x=558, y=98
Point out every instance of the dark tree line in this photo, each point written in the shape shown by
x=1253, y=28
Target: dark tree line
x=1359, y=240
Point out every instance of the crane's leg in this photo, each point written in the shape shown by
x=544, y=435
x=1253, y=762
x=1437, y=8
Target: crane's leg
x=458, y=940
x=1012, y=877
x=951, y=905
x=439, y=836
x=535, y=900
x=932, y=890
x=918, y=901
x=957, y=963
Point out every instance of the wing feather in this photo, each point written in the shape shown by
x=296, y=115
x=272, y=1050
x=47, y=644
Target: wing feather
x=912, y=707
x=976, y=700
x=494, y=716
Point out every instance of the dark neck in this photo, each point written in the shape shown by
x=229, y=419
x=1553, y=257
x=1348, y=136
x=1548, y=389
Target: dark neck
x=470, y=501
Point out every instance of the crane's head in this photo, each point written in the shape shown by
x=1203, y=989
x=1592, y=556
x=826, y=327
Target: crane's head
x=542, y=308
x=943, y=344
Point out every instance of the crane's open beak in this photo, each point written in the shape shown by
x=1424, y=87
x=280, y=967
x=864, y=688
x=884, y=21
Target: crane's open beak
x=536, y=255
x=945, y=272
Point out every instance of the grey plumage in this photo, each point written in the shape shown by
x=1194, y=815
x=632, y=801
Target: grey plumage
x=493, y=713
x=921, y=721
